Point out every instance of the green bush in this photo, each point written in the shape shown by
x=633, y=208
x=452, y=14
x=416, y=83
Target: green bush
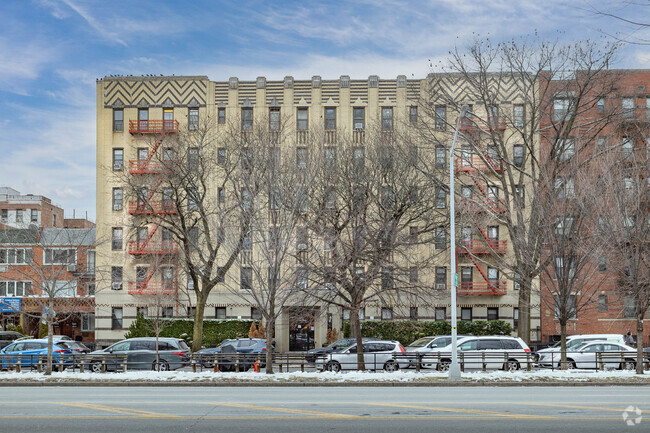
x=214, y=331
x=407, y=331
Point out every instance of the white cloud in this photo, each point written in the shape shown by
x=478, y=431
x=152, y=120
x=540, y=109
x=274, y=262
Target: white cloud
x=94, y=23
x=22, y=61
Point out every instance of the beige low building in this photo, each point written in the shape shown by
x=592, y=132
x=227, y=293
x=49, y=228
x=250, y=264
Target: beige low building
x=136, y=115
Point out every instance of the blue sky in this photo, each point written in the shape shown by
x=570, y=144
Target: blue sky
x=52, y=51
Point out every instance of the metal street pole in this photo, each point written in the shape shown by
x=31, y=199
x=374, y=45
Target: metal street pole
x=454, y=368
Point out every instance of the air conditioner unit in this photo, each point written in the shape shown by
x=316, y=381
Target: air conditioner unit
x=116, y=286
x=441, y=286
x=72, y=268
x=4, y=268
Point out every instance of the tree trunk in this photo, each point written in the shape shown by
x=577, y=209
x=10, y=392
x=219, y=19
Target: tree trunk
x=639, y=343
x=563, y=364
x=355, y=330
x=270, y=326
x=197, y=334
x=523, y=329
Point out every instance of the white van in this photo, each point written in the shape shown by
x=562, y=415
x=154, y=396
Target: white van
x=574, y=341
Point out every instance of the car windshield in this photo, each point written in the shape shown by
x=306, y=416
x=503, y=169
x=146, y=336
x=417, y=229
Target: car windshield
x=420, y=343
x=441, y=342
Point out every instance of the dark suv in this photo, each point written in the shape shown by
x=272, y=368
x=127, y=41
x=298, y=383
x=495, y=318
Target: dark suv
x=140, y=354
x=8, y=337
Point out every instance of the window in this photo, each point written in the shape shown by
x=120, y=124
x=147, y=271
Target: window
x=492, y=274
x=118, y=159
x=466, y=314
x=565, y=187
x=330, y=118
x=167, y=312
x=274, y=118
x=441, y=117
x=566, y=149
x=493, y=313
x=118, y=119
x=516, y=281
x=602, y=263
x=387, y=281
x=441, y=238
x=562, y=109
x=141, y=311
x=15, y=256
x=34, y=215
x=441, y=198
x=168, y=119
x=15, y=288
x=4, y=215
x=600, y=142
x=518, y=116
x=466, y=192
x=387, y=118
x=600, y=105
x=413, y=234
x=192, y=199
x=441, y=314
x=193, y=159
x=386, y=313
x=565, y=268
x=246, y=119
x=116, y=318
x=90, y=289
x=220, y=313
x=143, y=119
x=628, y=108
x=359, y=118
x=563, y=225
x=54, y=220
x=62, y=289
x=245, y=279
x=302, y=119
x=441, y=157
x=627, y=147
x=515, y=318
x=116, y=238
x=301, y=158
x=413, y=313
x=441, y=278
x=413, y=114
x=19, y=215
x=570, y=307
x=117, y=198
x=413, y=275
x=330, y=158
x=193, y=119
x=255, y=313
x=359, y=157
x=602, y=303
x=221, y=115
x=116, y=277
x=301, y=278
x=88, y=322
x=59, y=256
x=518, y=155
x=629, y=307
x=466, y=275
x=628, y=184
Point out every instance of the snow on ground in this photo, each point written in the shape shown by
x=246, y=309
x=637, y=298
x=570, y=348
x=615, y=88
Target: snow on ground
x=317, y=377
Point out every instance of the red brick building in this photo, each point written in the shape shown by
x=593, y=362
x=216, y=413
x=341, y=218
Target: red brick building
x=621, y=113
x=22, y=210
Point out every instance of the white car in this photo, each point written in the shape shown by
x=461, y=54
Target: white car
x=590, y=355
x=424, y=345
x=377, y=355
x=497, y=352
x=575, y=341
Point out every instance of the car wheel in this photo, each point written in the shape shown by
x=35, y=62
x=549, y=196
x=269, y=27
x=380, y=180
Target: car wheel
x=570, y=364
x=444, y=364
x=96, y=367
x=161, y=366
x=391, y=366
x=511, y=365
x=333, y=366
x=629, y=365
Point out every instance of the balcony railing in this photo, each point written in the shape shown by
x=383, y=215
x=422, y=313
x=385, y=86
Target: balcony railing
x=152, y=207
x=478, y=124
x=358, y=136
x=483, y=247
x=152, y=247
x=482, y=288
x=302, y=136
x=152, y=126
x=330, y=137
x=476, y=163
x=143, y=166
x=151, y=288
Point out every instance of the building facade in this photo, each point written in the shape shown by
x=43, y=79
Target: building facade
x=135, y=117
x=22, y=210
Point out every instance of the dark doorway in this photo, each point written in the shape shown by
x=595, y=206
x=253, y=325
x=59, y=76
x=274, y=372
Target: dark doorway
x=301, y=329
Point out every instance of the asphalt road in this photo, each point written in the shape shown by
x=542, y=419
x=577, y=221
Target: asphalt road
x=299, y=409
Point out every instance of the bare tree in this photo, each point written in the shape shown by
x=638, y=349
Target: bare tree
x=370, y=215
x=627, y=13
x=54, y=262
x=531, y=103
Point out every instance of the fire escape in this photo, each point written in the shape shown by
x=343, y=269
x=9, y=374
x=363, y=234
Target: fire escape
x=146, y=246
x=476, y=163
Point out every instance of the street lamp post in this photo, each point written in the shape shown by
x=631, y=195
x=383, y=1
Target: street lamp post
x=454, y=368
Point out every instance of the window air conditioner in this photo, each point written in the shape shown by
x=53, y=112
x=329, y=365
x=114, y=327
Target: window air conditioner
x=72, y=268
x=441, y=286
x=4, y=268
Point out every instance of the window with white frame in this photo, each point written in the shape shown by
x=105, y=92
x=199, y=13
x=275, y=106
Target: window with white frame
x=562, y=109
x=34, y=215
x=15, y=288
x=565, y=187
x=627, y=104
x=518, y=115
x=90, y=262
x=88, y=322
x=566, y=149
x=330, y=118
x=627, y=146
x=15, y=256
x=386, y=118
x=118, y=198
x=302, y=119
x=61, y=288
x=359, y=118
x=193, y=119
x=59, y=256
x=441, y=117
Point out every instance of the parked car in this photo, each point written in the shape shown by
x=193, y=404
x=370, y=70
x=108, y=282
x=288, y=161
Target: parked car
x=173, y=353
x=30, y=351
x=425, y=344
x=377, y=354
x=256, y=347
x=574, y=341
x=8, y=337
x=500, y=352
x=313, y=354
x=77, y=347
x=613, y=355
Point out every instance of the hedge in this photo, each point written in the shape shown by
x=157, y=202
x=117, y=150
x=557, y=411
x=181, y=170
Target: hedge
x=214, y=331
x=407, y=331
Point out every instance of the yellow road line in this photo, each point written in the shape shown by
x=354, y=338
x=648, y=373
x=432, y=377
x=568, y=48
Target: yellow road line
x=305, y=418
x=470, y=411
x=288, y=410
x=121, y=410
x=573, y=406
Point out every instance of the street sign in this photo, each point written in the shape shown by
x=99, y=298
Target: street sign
x=455, y=279
x=10, y=305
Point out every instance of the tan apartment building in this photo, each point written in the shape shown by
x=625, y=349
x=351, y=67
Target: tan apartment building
x=135, y=115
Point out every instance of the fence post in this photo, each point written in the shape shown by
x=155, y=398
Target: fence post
x=237, y=363
x=462, y=362
x=18, y=365
x=82, y=364
x=103, y=365
x=528, y=366
x=600, y=364
x=193, y=363
x=61, y=364
x=484, y=366
x=125, y=362
x=418, y=358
